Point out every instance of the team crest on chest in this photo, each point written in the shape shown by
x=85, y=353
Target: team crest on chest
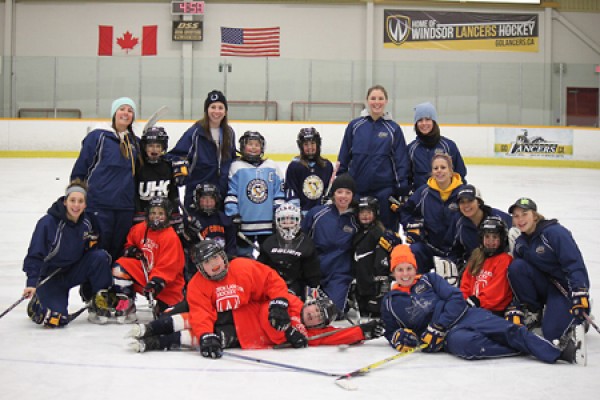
x=540, y=250
x=382, y=135
x=257, y=191
x=312, y=187
x=420, y=287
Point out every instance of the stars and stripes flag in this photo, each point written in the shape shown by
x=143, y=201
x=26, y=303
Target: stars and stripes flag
x=250, y=42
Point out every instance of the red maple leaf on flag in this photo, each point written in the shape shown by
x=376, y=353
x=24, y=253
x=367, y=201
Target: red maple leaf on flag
x=127, y=41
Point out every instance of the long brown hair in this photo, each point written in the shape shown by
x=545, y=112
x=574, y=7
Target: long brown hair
x=227, y=134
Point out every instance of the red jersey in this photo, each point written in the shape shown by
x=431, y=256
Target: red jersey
x=255, y=332
x=491, y=285
x=165, y=257
x=247, y=281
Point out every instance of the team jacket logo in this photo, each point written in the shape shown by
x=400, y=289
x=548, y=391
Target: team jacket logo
x=312, y=187
x=397, y=28
x=148, y=190
x=257, y=191
x=358, y=257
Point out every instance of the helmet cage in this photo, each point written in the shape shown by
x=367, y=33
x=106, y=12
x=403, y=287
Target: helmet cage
x=287, y=221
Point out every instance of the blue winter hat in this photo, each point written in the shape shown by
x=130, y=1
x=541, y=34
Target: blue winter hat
x=120, y=102
x=425, y=110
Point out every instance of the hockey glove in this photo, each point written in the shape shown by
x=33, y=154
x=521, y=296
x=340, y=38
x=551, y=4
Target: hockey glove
x=446, y=269
x=404, y=340
x=515, y=315
x=473, y=301
x=581, y=303
x=133, y=252
x=433, y=337
x=413, y=232
x=389, y=240
x=155, y=286
x=382, y=284
x=210, y=346
x=278, y=314
x=193, y=229
x=92, y=239
x=296, y=338
x=237, y=221
x=180, y=171
x=373, y=329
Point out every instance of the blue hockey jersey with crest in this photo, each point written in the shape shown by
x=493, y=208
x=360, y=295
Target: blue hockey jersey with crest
x=254, y=194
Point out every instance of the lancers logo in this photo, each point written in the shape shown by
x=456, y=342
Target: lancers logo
x=397, y=28
x=535, y=144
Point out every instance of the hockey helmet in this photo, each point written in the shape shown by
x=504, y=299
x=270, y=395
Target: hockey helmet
x=493, y=224
x=205, y=251
x=157, y=223
x=287, y=221
x=206, y=189
x=369, y=203
x=327, y=310
x=309, y=135
x=155, y=134
x=244, y=139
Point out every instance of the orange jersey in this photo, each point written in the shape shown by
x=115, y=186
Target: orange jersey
x=165, y=257
x=247, y=281
x=491, y=285
x=255, y=332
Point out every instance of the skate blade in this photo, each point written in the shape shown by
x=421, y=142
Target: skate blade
x=580, y=343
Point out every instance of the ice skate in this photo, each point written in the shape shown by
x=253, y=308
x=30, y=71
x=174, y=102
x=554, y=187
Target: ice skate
x=125, y=311
x=139, y=331
x=145, y=344
x=99, y=308
x=572, y=346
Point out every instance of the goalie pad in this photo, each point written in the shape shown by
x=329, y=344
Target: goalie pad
x=43, y=315
x=447, y=270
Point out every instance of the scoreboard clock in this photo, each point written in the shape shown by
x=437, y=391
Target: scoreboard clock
x=187, y=8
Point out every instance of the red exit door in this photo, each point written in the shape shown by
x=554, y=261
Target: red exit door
x=582, y=106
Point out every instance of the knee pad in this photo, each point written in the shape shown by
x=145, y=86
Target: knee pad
x=42, y=315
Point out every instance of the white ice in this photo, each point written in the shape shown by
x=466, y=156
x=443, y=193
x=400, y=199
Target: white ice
x=85, y=361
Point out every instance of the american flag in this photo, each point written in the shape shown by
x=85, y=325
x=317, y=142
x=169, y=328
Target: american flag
x=250, y=42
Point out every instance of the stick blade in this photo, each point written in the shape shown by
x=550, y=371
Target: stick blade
x=155, y=117
x=346, y=384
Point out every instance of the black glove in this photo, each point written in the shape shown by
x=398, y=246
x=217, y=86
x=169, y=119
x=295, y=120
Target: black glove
x=154, y=286
x=404, y=340
x=382, y=284
x=473, y=301
x=193, y=228
x=180, y=171
x=373, y=329
x=581, y=303
x=296, y=338
x=278, y=314
x=236, y=220
x=389, y=240
x=433, y=337
x=134, y=252
x=210, y=346
x=515, y=315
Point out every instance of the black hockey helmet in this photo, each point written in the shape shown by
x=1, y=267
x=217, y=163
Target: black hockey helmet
x=244, y=139
x=329, y=312
x=206, y=189
x=204, y=251
x=165, y=204
x=369, y=203
x=155, y=134
x=309, y=135
x=493, y=224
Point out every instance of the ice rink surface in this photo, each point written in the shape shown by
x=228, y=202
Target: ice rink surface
x=85, y=361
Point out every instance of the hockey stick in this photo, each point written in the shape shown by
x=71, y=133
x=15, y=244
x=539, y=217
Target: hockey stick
x=277, y=364
x=325, y=198
x=315, y=337
x=563, y=291
x=150, y=296
x=247, y=240
x=343, y=381
x=155, y=117
x=16, y=303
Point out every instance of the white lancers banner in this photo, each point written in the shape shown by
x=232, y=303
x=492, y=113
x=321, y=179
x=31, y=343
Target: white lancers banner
x=533, y=143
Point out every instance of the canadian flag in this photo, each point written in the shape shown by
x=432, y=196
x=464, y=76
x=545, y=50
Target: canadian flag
x=126, y=42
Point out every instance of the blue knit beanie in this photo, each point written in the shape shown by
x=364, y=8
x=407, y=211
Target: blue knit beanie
x=120, y=102
x=425, y=110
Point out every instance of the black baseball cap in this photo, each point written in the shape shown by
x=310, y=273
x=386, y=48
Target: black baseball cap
x=524, y=203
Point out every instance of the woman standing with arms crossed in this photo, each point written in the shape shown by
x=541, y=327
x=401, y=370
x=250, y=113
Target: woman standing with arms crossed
x=209, y=147
x=373, y=152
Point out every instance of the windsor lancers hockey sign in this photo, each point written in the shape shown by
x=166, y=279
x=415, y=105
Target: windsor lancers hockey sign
x=460, y=31
x=533, y=143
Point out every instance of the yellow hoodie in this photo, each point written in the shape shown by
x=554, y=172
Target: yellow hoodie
x=445, y=193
